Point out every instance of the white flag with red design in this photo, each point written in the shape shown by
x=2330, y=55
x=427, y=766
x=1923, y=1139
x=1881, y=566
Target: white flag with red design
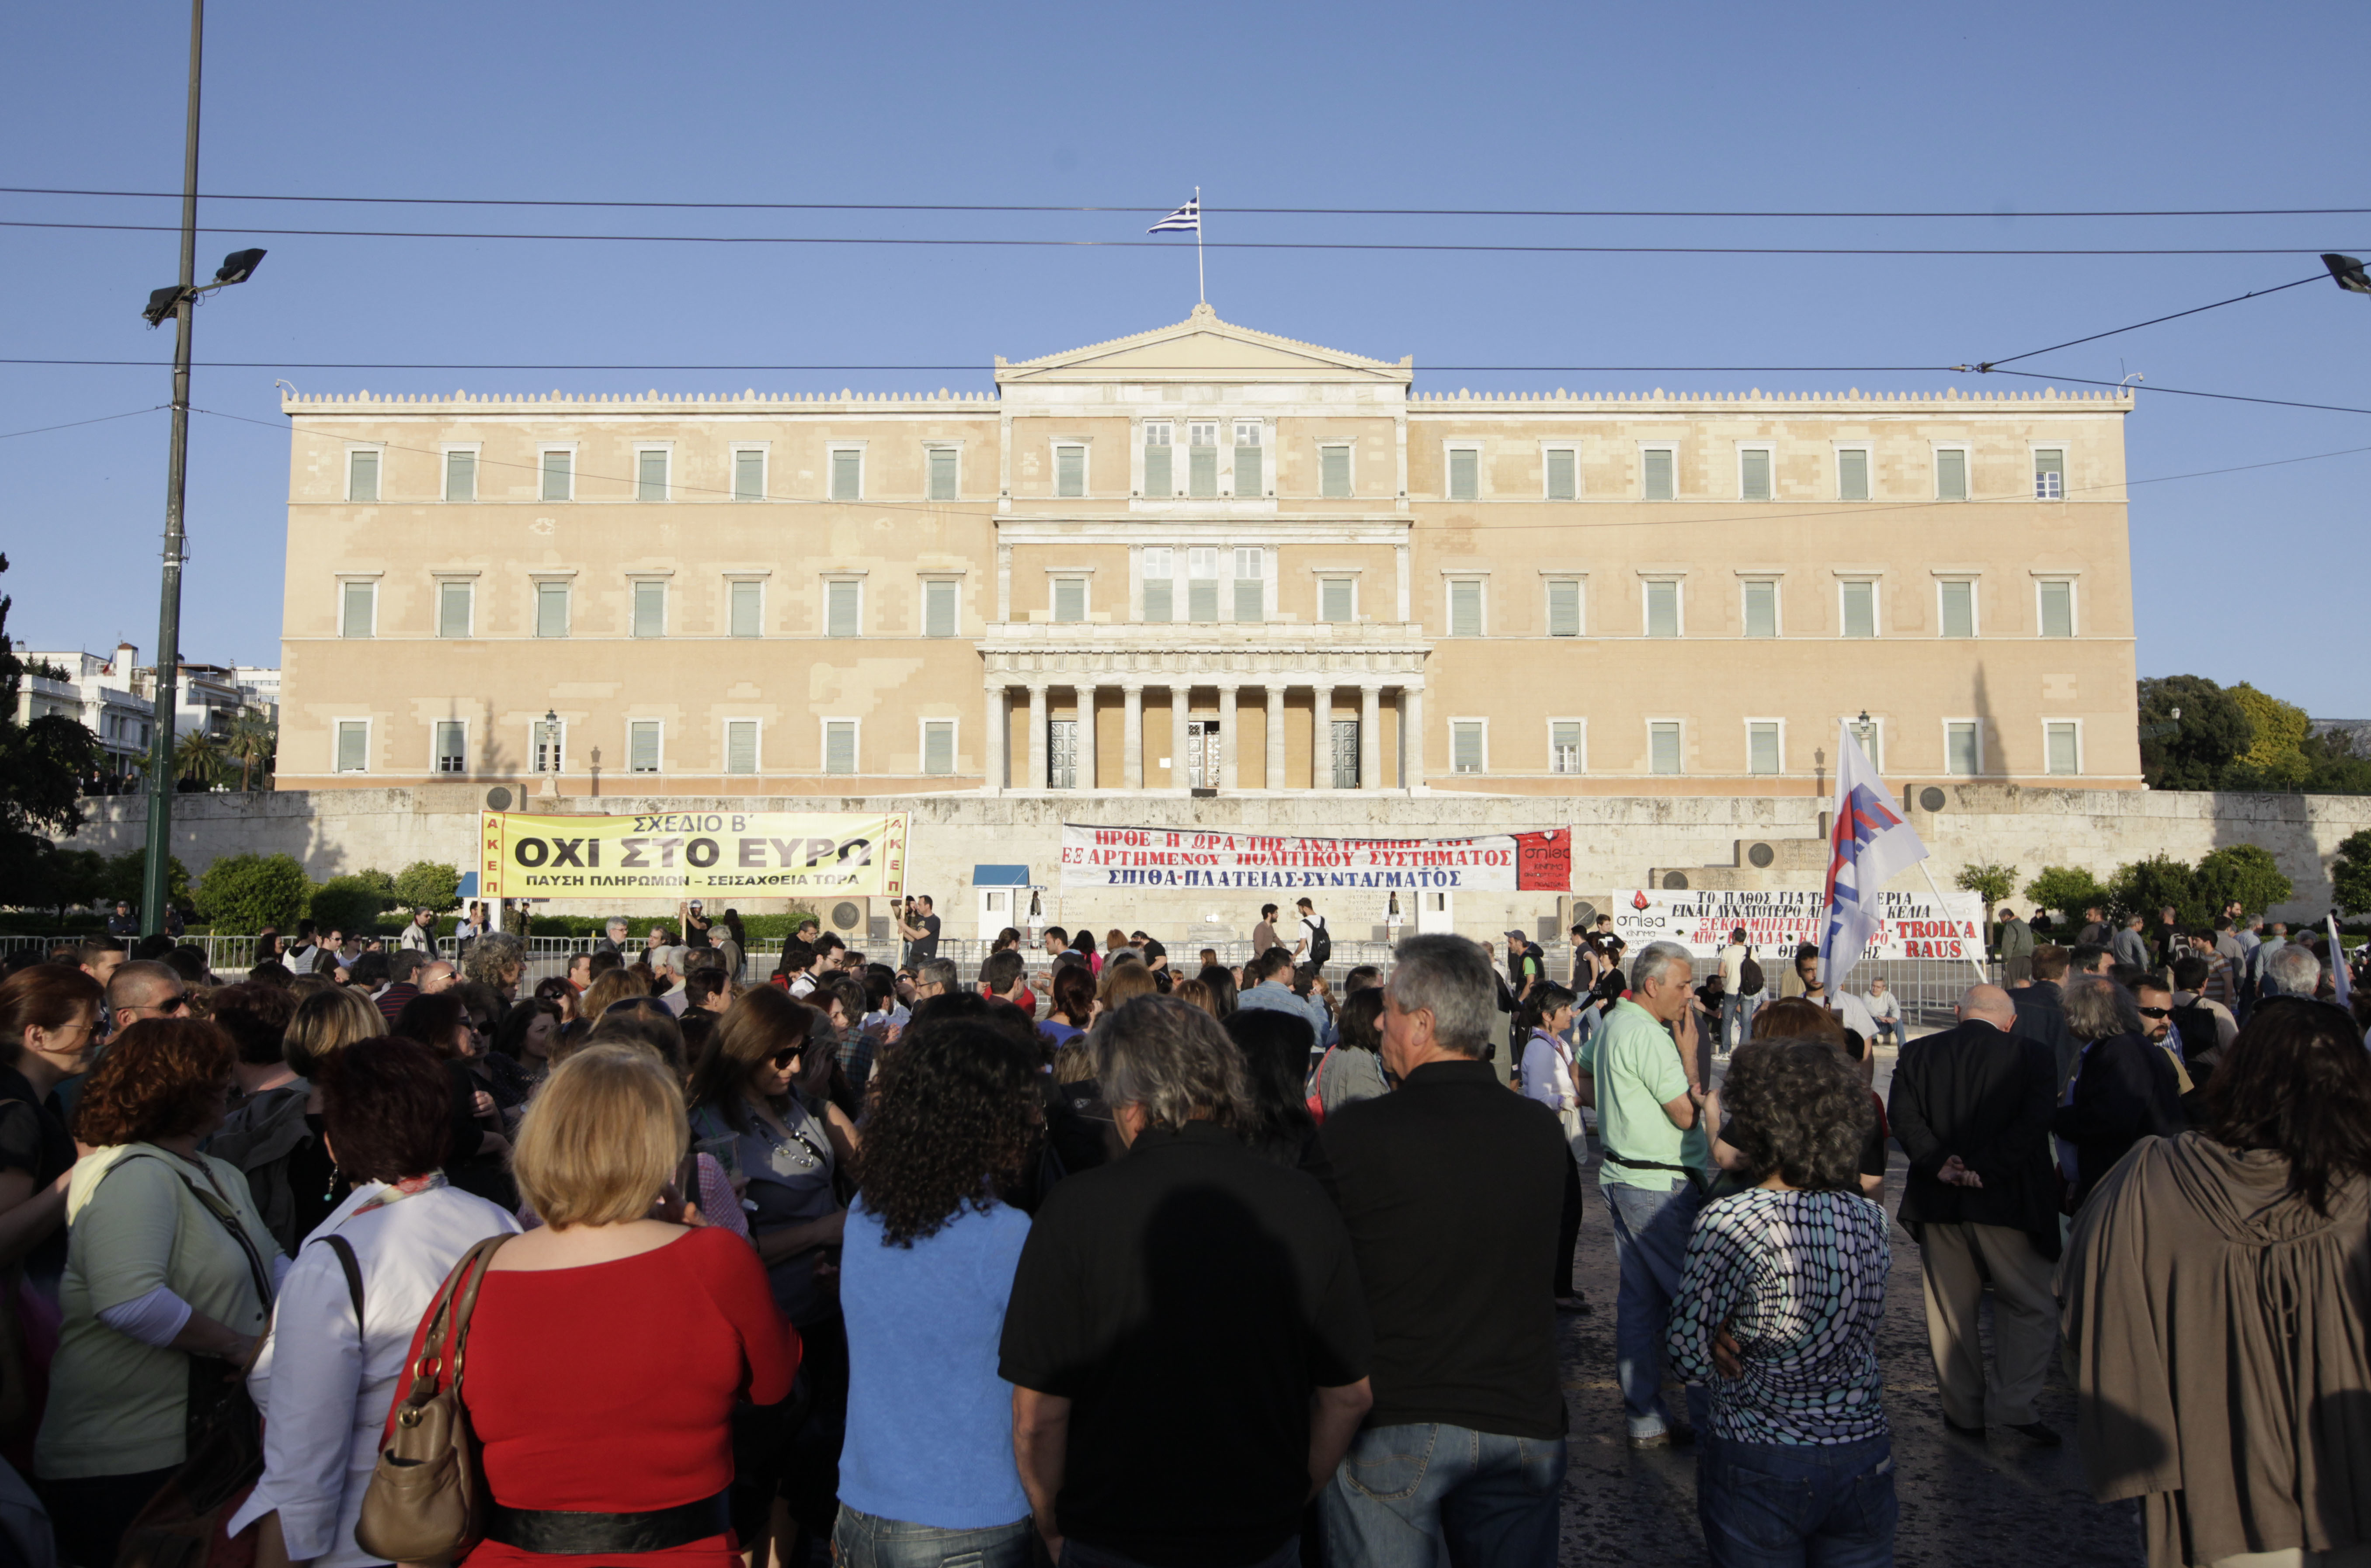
x=1869, y=845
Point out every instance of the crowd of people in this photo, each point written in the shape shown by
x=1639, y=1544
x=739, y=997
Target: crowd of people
x=1106, y=1259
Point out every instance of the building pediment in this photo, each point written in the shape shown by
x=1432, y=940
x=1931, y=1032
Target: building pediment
x=1203, y=348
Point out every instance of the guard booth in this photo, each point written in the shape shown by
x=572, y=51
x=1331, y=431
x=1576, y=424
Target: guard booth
x=1005, y=897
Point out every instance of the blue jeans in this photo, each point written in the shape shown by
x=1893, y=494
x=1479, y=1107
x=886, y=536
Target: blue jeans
x=1650, y=1242
x=863, y=1541
x=1736, y=1020
x=1401, y=1492
x=1785, y=1505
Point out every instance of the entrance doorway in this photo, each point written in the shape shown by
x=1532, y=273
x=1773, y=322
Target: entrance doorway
x=1202, y=753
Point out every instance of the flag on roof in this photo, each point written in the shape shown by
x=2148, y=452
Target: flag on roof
x=1186, y=219
x=1869, y=845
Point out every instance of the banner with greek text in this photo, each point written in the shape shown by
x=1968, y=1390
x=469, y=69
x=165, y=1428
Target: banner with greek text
x=687, y=854
x=1153, y=858
x=1910, y=924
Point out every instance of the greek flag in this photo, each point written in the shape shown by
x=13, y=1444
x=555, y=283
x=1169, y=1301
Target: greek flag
x=1186, y=219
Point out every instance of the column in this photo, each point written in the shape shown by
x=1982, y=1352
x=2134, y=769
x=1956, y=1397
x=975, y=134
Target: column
x=1131, y=738
x=1275, y=738
x=992, y=733
x=1181, y=703
x=1086, y=693
x=1036, y=735
x=1227, y=752
x=1321, y=737
x=1411, y=738
x=1371, y=737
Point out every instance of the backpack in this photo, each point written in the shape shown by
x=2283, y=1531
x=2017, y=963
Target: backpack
x=1749, y=978
x=1321, y=942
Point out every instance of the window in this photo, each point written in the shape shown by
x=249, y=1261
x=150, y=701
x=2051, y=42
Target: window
x=746, y=608
x=1465, y=473
x=749, y=473
x=550, y=743
x=552, y=609
x=1563, y=474
x=1070, y=470
x=1337, y=599
x=651, y=473
x=842, y=606
x=642, y=746
x=1069, y=600
x=361, y=476
x=1465, y=606
x=2050, y=473
x=1159, y=477
x=358, y=609
x=1468, y=752
x=1061, y=753
x=1753, y=473
x=938, y=606
x=840, y=745
x=741, y=746
x=455, y=603
x=2057, y=607
x=2061, y=747
x=558, y=475
x=1563, y=606
x=1202, y=458
x=1761, y=745
x=1664, y=608
x=1871, y=738
x=1250, y=583
x=1564, y=745
x=1950, y=473
x=1250, y=473
x=941, y=473
x=1158, y=565
x=452, y=738
x=846, y=473
x=1762, y=607
x=461, y=475
x=650, y=610
x=353, y=745
x=1962, y=748
x=1958, y=600
x=1852, y=473
x=1346, y=753
x=1859, y=614
x=938, y=747
x=1663, y=745
x=1659, y=471
x=1202, y=585
x=1334, y=472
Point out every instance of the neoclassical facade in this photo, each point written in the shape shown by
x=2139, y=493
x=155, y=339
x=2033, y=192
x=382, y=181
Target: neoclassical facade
x=1205, y=558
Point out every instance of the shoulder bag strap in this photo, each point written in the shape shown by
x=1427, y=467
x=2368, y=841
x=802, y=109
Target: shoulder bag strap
x=352, y=1266
x=216, y=1205
x=436, y=1346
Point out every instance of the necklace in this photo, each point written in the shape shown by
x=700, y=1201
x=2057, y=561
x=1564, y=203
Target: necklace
x=801, y=1153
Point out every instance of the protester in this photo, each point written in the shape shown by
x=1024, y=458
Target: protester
x=144, y=988
x=608, y=988
x=1884, y=1011
x=2042, y=1012
x=1276, y=1047
x=169, y=1280
x=1264, y=935
x=2214, y=1298
x=524, y=1040
x=2128, y=945
x=268, y=1120
x=927, y=1473
x=1221, y=981
x=1073, y=991
x=1186, y=1338
x=1352, y=1069
x=49, y=1019
x=1548, y=1078
x=2016, y=944
x=2125, y=1089
x=1451, y=1191
x=1269, y=976
x=1850, y=1010
x=1778, y=1313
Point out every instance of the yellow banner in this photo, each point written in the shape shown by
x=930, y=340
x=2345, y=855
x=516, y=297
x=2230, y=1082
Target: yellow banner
x=683, y=854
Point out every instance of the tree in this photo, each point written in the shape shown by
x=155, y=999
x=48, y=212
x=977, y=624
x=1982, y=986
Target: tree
x=126, y=875
x=2350, y=872
x=246, y=893
x=2194, y=751
x=56, y=877
x=1989, y=881
x=198, y=760
x=424, y=884
x=2275, y=757
x=352, y=903
x=43, y=766
x=2143, y=887
x=2246, y=873
x=2066, y=890
x=254, y=744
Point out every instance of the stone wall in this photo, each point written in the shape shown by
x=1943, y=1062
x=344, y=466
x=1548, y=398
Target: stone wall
x=1617, y=842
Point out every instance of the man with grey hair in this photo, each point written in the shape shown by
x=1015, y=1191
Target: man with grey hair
x=1641, y=1066
x=1186, y=1339
x=1452, y=1189
x=934, y=977
x=2291, y=970
x=667, y=971
x=614, y=939
x=2129, y=945
x=2124, y=1090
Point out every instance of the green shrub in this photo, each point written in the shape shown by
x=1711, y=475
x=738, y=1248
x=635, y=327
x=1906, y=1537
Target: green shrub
x=352, y=903
x=243, y=894
x=2245, y=872
x=2067, y=890
x=424, y=884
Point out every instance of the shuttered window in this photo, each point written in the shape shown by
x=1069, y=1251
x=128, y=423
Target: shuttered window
x=650, y=610
x=361, y=476
x=2050, y=474
x=1464, y=474
x=938, y=606
x=1159, y=479
x=642, y=746
x=841, y=599
x=1465, y=746
x=1202, y=585
x=1251, y=585
x=353, y=745
x=1070, y=599
x=1070, y=470
x=741, y=746
x=1859, y=610
x=1334, y=472
x=1657, y=472
x=1961, y=757
x=1160, y=586
x=1762, y=608
x=1465, y=606
x=453, y=603
x=1959, y=600
x=550, y=742
x=938, y=747
x=1663, y=609
x=2065, y=748
x=358, y=609
x=559, y=476
x=1761, y=748
x=2057, y=609
x=1754, y=474
x=1564, y=474
x=941, y=462
x=1852, y=474
x=461, y=475
x=748, y=609
x=651, y=475
x=1251, y=477
x=1202, y=459
x=1951, y=474
x=748, y=476
x=1564, y=746
x=1663, y=746
x=1564, y=607
x=848, y=476
x=451, y=736
x=840, y=745
x=1335, y=598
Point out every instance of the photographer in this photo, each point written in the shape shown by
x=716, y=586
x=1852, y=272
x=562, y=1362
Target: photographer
x=919, y=926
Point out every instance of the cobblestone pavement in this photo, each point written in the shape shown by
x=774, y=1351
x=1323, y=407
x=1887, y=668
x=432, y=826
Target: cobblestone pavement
x=1999, y=1503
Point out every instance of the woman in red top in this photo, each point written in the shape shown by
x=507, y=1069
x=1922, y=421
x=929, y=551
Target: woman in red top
x=608, y=1347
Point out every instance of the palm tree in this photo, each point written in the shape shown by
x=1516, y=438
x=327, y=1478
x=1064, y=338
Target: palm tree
x=198, y=758
x=254, y=740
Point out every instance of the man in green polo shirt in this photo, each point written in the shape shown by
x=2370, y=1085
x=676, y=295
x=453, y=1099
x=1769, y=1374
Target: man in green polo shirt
x=1657, y=1166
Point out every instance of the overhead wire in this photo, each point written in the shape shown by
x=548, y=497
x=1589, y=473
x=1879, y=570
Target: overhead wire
x=2235, y=299
x=1178, y=369
x=71, y=424
x=2188, y=392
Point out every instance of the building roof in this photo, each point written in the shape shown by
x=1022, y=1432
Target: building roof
x=1197, y=349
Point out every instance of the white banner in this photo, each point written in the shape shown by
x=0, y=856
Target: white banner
x=1148, y=857
x=1911, y=925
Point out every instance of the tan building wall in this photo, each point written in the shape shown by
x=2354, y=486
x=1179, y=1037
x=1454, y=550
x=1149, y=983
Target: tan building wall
x=1052, y=543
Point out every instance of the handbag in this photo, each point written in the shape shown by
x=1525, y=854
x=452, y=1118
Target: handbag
x=427, y=1497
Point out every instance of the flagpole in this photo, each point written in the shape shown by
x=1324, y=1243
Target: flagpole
x=1926, y=868
x=1201, y=290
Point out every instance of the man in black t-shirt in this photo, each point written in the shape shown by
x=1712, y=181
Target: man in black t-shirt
x=1187, y=1337
x=920, y=927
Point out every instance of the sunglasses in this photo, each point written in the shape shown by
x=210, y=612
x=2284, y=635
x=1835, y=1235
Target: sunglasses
x=783, y=1060
x=2156, y=1012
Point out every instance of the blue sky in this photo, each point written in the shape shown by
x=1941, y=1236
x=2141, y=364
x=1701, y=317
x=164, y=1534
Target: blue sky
x=2002, y=110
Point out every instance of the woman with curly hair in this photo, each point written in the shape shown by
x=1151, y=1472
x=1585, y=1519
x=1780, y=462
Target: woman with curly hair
x=1777, y=1309
x=497, y=961
x=1797, y=1018
x=927, y=1470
